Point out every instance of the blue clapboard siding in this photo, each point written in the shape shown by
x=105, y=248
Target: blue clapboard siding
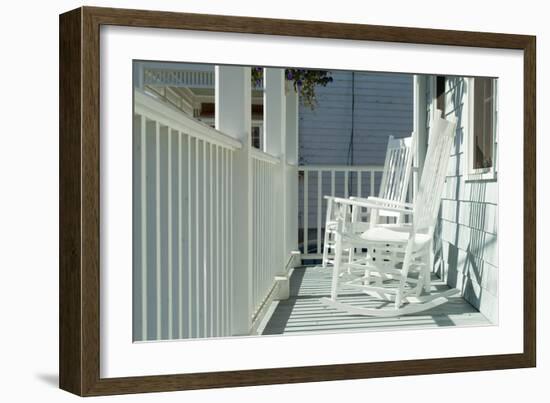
x=383, y=107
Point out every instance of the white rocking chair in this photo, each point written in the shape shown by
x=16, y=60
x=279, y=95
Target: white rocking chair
x=397, y=265
x=394, y=187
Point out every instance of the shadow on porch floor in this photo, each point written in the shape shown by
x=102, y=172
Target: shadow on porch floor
x=303, y=312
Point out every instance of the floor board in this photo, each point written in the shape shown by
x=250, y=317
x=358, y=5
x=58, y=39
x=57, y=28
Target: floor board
x=303, y=312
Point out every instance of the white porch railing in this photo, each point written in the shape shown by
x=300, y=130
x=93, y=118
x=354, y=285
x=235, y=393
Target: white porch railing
x=267, y=226
x=182, y=203
x=178, y=78
x=317, y=181
x=182, y=78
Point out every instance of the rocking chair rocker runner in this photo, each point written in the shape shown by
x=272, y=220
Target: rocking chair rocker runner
x=397, y=265
x=394, y=186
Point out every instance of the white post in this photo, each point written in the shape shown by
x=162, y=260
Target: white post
x=274, y=112
x=291, y=230
x=419, y=126
x=138, y=69
x=275, y=144
x=233, y=117
x=420, y=87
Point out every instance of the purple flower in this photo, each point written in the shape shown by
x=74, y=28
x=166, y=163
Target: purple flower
x=289, y=75
x=299, y=83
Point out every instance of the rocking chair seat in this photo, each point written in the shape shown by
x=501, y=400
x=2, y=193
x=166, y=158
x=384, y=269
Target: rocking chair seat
x=396, y=234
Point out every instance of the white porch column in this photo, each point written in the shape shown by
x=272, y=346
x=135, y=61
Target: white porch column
x=275, y=144
x=137, y=68
x=420, y=115
x=419, y=126
x=291, y=224
x=233, y=117
x=274, y=112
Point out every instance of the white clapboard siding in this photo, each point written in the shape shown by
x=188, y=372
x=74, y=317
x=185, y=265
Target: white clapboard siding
x=182, y=190
x=466, y=238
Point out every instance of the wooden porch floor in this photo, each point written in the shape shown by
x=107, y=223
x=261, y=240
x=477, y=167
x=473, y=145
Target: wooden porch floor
x=303, y=312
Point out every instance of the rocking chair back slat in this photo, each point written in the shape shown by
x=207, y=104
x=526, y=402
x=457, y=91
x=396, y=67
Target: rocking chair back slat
x=397, y=168
x=433, y=177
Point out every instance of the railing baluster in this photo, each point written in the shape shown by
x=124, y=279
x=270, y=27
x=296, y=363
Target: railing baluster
x=306, y=211
x=264, y=225
x=231, y=268
x=261, y=235
x=211, y=232
x=266, y=205
x=143, y=197
x=157, y=227
x=170, y=229
x=274, y=234
x=223, y=246
x=197, y=242
x=219, y=330
x=346, y=184
x=227, y=242
x=180, y=239
x=191, y=240
x=204, y=309
x=319, y=208
x=269, y=235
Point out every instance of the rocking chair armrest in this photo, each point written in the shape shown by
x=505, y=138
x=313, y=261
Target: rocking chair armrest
x=376, y=206
x=373, y=200
x=379, y=200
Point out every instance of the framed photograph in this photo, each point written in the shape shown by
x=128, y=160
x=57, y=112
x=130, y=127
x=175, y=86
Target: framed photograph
x=249, y=201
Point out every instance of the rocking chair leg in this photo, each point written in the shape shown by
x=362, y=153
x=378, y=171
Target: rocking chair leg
x=351, y=256
x=404, y=274
x=327, y=233
x=366, y=277
x=326, y=245
x=336, y=267
x=429, y=267
x=421, y=282
x=326, y=248
x=427, y=280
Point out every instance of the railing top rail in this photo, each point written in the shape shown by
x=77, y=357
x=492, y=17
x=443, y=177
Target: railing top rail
x=177, y=120
x=341, y=168
x=262, y=156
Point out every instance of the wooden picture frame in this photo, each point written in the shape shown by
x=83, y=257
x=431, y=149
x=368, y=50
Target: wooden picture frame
x=79, y=280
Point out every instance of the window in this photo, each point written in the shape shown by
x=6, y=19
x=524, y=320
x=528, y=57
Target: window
x=440, y=94
x=257, y=135
x=483, y=122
